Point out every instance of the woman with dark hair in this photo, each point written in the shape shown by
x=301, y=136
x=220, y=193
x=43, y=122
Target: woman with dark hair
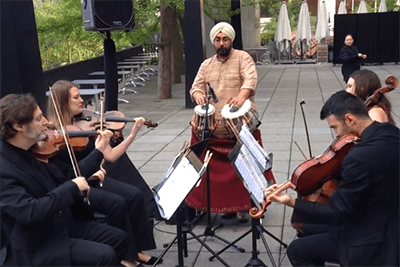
x=363, y=83
x=350, y=56
x=131, y=198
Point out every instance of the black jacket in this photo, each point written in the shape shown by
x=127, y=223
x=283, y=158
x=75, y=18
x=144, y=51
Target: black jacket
x=40, y=207
x=366, y=203
x=350, y=59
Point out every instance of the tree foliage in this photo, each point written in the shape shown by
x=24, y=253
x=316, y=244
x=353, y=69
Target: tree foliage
x=62, y=38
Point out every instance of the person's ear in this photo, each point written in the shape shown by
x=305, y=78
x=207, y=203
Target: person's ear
x=18, y=127
x=350, y=120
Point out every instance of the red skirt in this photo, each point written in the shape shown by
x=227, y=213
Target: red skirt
x=227, y=192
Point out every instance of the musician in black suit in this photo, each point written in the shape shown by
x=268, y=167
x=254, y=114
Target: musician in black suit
x=44, y=218
x=366, y=203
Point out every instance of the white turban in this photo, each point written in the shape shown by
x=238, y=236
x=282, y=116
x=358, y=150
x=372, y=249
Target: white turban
x=222, y=27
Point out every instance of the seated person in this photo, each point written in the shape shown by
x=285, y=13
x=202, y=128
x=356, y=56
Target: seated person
x=43, y=215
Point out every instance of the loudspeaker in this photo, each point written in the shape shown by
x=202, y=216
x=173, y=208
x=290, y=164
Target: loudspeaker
x=107, y=15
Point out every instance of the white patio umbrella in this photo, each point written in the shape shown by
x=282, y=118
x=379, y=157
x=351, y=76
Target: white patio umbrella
x=303, y=35
x=342, y=8
x=283, y=33
x=362, y=8
x=322, y=30
x=382, y=6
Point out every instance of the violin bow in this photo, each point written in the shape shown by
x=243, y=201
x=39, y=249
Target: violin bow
x=67, y=140
x=305, y=125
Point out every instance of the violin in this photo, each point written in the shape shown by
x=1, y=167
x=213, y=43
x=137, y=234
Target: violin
x=315, y=172
x=113, y=120
x=55, y=142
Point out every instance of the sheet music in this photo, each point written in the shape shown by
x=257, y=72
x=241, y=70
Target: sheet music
x=263, y=159
x=176, y=187
x=257, y=173
x=247, y=175
x=182, y=175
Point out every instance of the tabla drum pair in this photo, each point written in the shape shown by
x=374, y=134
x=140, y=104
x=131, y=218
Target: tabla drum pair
x=232, y=119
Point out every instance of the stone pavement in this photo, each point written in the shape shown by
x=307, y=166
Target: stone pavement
x=280, y=90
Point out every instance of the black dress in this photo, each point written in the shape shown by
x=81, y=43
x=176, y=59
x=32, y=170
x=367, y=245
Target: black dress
x=124, y=204
x=350, y=59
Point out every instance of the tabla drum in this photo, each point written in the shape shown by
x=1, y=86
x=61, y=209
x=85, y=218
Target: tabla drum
x=235, y=119
x=197, y=121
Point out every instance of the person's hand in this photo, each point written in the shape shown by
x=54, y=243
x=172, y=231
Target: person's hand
x=283, y=198
x=99, y=175
x=139, y=122
x=236, y=101
x=103, y=140
x=82, y=185
x=199, y=98
x=363, y=56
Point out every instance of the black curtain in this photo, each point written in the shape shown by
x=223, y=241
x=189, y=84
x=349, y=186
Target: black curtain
x=388, y=29
x=21, y=66
x=375, y=34
x=236, y=23
x=194, y=44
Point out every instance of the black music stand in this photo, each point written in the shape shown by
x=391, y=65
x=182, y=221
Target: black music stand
x=256, y=229
x=184, y=227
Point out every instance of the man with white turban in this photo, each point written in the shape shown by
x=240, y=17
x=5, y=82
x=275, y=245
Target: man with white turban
x=233, y=76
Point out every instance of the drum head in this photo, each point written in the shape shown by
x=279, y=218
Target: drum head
x=201, y=110
x=227, y=114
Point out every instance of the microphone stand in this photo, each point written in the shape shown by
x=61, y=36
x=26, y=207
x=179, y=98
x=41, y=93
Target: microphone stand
x=206, y=134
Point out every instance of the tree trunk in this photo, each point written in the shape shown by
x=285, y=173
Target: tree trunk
x=177, y=50
x=165, y=73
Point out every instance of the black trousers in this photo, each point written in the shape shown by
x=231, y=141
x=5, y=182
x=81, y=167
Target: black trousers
x=314, y=249
x=90, y=244
x=97, y=245
x=124, y=208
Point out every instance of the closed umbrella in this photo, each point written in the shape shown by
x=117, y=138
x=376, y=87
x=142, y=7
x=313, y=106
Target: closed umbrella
x=303, y=36
x=283, y=33
x=342, y=8
x=382, y=6
x=362, y=8
x=322, y=30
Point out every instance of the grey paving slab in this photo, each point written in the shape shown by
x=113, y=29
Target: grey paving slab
x=280, y=90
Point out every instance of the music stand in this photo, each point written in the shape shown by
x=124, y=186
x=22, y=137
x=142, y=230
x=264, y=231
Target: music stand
x=245, y=158
x=167, y=211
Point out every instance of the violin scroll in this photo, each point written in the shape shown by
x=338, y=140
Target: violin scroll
x=391, y=83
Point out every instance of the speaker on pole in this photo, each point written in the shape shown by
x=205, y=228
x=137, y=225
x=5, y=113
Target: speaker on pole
x=107, y=15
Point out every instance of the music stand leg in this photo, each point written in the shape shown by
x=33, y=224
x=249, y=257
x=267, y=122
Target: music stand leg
x=257, y=231
x=180, y=238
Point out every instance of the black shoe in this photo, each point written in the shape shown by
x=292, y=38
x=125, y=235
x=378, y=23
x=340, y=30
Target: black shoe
x=227, y=216
x=151, y=261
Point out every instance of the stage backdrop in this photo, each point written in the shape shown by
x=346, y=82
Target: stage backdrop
x=375, y=34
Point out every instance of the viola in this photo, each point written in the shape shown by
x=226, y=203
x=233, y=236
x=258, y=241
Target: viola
x=55, y=141
x=113, y=120
x=315, y=172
